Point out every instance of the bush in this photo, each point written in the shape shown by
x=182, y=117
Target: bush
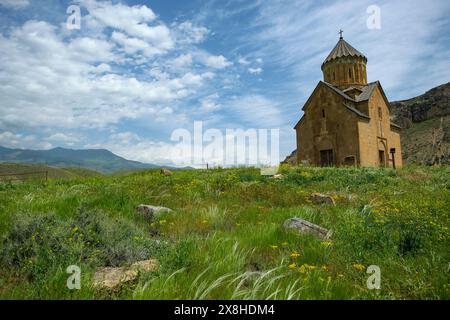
x=37, y=243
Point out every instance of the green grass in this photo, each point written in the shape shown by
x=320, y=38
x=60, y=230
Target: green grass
x=13, y=169
x=225, y=239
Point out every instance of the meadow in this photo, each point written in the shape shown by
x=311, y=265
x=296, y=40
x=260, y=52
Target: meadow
x=224, y=238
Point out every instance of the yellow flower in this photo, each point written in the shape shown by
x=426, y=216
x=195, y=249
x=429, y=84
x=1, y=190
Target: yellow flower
x=75, y=229
x=295, y=254
x=292, y=266
x=306, y=267
x=162, y=221
x=302, y=269
x=358, y=266
x=285, y=244
x=274, y=247
x=326, y=244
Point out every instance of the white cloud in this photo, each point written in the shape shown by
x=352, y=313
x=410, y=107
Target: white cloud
x=134, y=45
x=182, y=60
x=255, y=70
x=188, y=33
x=63, y=137
x=14, y=4
x=217, y=62
x=243, y=61
x=46, y=81
x=209, y=103
x=134, y=21
x=12, y=140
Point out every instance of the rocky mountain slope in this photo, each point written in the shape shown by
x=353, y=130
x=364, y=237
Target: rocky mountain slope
x=426, y=127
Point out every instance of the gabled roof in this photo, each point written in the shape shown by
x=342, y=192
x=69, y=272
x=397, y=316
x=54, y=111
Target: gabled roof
x=343, y=49
x=366, y=93
x=359, y=113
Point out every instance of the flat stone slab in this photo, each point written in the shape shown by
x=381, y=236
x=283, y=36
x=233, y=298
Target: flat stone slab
x=149, y=212
x=145, y=265
x=322, y=198
x=112, y=277
x=303, y=227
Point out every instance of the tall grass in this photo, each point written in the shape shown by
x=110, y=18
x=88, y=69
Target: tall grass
x=224, y=239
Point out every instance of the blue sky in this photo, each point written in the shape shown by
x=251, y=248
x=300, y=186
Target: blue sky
x=137, y=70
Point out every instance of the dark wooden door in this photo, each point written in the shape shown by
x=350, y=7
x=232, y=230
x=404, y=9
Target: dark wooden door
x=326, y=158
x=382, y=158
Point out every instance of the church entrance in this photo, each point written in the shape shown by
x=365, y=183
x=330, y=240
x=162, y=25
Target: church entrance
x=326, y=158
x=382, y=158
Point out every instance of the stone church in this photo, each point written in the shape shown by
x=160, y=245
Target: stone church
x=346, y=120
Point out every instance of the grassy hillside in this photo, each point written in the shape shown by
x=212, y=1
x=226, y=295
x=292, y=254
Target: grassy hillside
x=37, y=172
x=225, y=237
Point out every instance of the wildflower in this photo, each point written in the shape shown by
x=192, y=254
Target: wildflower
x=162, y=221
x=326, y=244
x=302, y=269
x=306, y=267
x=325, y=268
x=358, y=266
x=285, y=244
x=75, y=229
x=274, y=247
x=295, y=254
x=292, y=266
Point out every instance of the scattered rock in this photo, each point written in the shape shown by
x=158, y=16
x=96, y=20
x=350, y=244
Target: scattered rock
x=145, y=265
x=278, y=176
x=322, y=198
x=149, y=211
x=302, y=226
x=112, y=277
x=166, y=172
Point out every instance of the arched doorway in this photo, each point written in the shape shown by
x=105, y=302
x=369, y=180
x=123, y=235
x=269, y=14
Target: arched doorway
x=382, y=154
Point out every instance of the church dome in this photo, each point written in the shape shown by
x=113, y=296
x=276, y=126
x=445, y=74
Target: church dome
x=345, y=66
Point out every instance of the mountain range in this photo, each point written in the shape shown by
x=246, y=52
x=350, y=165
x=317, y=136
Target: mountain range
x=100, y=160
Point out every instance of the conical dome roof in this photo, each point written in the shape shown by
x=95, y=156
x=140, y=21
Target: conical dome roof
x=343, y=49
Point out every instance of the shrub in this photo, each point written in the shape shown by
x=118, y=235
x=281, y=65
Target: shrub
x=37, y=243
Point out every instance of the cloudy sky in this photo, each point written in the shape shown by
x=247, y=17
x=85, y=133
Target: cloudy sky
x=137, y=70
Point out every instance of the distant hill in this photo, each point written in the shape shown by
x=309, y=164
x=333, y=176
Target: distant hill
x=95, y=159
x=425, y=121
x=40, y=171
